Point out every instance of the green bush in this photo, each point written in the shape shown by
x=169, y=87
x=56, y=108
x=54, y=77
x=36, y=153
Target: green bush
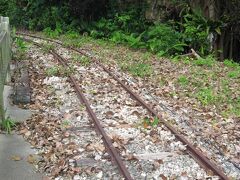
x=53, y=33
x=195, y=32
x=119, y=22
x=3, y=7
x=36, y=15
x=127, y=29
x=163, y=38
x=131, y=27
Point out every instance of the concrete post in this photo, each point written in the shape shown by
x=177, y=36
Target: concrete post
x=2, y=111
x=7, y=50
x=5, y=56
x=1, y=78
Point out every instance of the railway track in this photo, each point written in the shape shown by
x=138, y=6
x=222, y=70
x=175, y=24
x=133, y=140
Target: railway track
x=202, y=160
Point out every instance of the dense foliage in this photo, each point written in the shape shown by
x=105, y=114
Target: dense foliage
x=181, y=24
x=40, y=14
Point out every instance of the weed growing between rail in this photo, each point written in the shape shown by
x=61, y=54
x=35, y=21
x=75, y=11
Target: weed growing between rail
x=150, y=122
x=83, y=60
x=59, y=71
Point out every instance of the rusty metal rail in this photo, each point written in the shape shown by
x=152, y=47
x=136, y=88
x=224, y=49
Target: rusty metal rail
x=196, y=153
x=108, y=143
x=202, y=159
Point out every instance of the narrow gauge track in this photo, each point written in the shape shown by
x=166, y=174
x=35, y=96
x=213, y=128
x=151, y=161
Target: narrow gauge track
x=108, y=144
x=202, y=160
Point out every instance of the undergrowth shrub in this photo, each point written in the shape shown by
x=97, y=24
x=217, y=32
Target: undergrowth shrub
x=230, y=63
x=159, y=38
x=197, y=30
x=123, y=22
x=126, y=22
x=209, y=61
x=163, y=39
x=38, y=14
x=4, y=7
x=53, y=33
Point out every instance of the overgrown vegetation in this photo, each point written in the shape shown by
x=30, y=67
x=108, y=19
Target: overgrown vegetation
x=182, y=27
x=202, y=83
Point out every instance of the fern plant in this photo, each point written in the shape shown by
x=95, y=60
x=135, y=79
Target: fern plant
x=196, y=30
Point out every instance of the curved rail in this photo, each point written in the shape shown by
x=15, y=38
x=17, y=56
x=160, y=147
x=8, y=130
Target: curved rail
x=202, y=159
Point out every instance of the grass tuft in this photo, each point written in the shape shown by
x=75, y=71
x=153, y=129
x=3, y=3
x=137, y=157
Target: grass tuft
x=7, y=124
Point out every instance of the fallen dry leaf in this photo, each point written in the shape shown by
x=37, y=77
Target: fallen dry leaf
x=184, y=174
x=56, y=171
x=31, y=159
x=131, y=157
x=95, y=146
x=115, y=144
x=27, y=134
x=45, y=178
x=163, y=177
x=99, y=147
x=16, y=158
x=23, y=131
